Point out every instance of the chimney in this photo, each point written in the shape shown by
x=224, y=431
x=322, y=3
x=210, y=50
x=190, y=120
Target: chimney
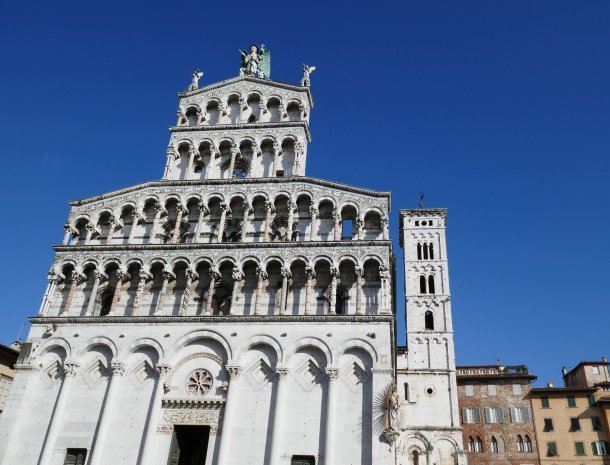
x=604, y=359
x=564, y=371
x=550, y=384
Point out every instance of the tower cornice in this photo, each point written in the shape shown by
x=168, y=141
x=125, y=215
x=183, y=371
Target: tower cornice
x=236, y=182
x=255, y=80
x=248, y=126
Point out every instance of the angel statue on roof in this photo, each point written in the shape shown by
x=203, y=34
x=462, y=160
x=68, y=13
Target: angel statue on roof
x=256, y=63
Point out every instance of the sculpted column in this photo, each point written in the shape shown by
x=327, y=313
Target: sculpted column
x=144, y=275
x=360, y=226
x=277, y=150
x=286, y=275
x=113, y=226
x=359, y=278
x=234, y=152
x=122, y=278
x=224, y=208
x=278, y=416
x=97, y=278
x=77, y=278
x=179, y=213
x=118, y=370
x=67, y=232
x=167, y=276
x=155, y=412
x=155, y=225
x=337, y=226
x=314, y=223
x=228, y=415
x=214, y=275
x=90, y=230
x=203, y=211
x=298, y=153
x=384, y=276
x=332, y=375
x=311, y=274
x=237, y=276
x=290, y=232
x=47, y=300
x=384, y=228
x=70, y=370
x=190, y=277
x=262, y=276
x=136, y=219
x=334, y=274
x=246, y=222
x=193, y=153
x=268, y=208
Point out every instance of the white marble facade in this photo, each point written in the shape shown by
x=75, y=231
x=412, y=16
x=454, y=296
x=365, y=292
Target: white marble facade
x=235, y=294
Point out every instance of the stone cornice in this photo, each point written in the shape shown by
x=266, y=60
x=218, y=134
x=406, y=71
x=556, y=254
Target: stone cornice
x=265, y=319
x=237, y=182
x=267, y=82
x=442, y=212
x=223, y=246
x=223, y=127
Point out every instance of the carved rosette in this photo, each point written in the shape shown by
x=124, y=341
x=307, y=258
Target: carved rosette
x=199, y=382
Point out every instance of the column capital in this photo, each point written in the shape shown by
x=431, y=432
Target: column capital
x=163, y=370
x=99, y=275
x=214, y=274
x=123, y=275
x=145, y=275
x=54, y=277
x=359, y=271
x=118, y=368
x=310, y=272
x=332, y=373
x=313, y=211
x=268, y=205
x=384, y=272
x=237, y=275
x=191, y=275
x=282, y=373
x=71, y=369
x=168, y=275
x=203, y=209
x=261, y=274
x=234, y=371
x=285, y=272
x=78, y=277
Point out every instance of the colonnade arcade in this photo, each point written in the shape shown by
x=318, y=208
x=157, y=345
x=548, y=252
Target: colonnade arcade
x=234, y=375
x=273, y=286
x=231, y=218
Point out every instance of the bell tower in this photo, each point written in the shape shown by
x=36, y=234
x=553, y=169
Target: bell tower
x=426, y=367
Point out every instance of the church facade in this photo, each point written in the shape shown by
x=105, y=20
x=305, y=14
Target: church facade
x=235, y=311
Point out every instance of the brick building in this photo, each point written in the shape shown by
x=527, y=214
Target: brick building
x=496, y=414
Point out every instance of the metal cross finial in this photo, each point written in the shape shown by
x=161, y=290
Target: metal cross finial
x=421, y=200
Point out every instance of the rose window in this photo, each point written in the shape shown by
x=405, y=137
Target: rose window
x=199, y=383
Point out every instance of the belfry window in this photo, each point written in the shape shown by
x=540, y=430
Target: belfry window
x=419, y=254
x=239, y=173
x=425, y=251
x=422, y=284
x=431, y=284
x=429, y=320
x=302, y=460
x=75, y=457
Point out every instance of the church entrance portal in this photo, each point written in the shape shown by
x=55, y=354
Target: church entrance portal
x=189, y=445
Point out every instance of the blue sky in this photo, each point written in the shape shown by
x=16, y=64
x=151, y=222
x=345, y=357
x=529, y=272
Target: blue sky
x=499, y=111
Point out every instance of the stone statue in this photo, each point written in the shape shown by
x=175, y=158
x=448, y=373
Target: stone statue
x=195, y=80
x=391, y=418
x=307, y=70
x=256, y=63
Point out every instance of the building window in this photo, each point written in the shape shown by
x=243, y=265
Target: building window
x=551, y=449
x=471, y=415
x=516, y=389
x=471, y=372
x=422, y=284
x=302, y=460
x=419, y=249
x=431, y=289
x=493, y=371
x=600, y=447
x=493, y=446
x=544, y=401
x=475, y=445
x=5, y=384
x=548, y=425
x=469, y=390
x=596, y=424
x=481, y=371
x=429, y=320
x=579, y=448
x=592, y=400
x=528, y=444
x=571, y=401
x=574, y=424
x=491, y=389
x=519, y=414
x=494, y=414
x=520, y=444
x=406, y=386
x=595, y=370
x=75, y=457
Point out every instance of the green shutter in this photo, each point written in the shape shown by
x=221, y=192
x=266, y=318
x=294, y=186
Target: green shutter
x=592, y=400
x=552, y=449
x=544, y=401
x=594, y=447
x=579, y=447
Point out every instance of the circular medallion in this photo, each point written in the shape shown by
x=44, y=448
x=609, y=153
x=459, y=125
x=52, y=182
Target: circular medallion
x=199, y=382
